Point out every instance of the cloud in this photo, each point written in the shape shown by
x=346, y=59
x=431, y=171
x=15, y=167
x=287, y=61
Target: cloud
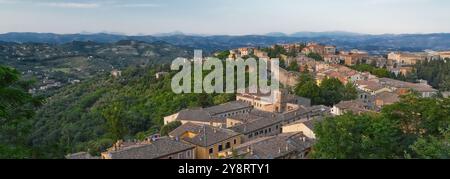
x=138, y=5
x=84, y=4
x=96, y=4
x=390, y=2
x=7, y=2
x=74, y=5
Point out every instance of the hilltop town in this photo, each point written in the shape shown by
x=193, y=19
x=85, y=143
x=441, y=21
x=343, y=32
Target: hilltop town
x=279, y=125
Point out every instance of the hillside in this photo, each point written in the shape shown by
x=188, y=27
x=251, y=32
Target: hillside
x=53, y=64
x=93, y=114
x=376, y=44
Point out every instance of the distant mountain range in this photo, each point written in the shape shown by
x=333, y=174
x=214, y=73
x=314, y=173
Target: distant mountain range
x=315, y=34
x=344, y=40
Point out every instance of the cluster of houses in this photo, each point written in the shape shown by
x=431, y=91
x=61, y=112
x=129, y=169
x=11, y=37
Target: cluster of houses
x=29, y=51
x=246, y=52
x=395, y=62
x=47, y=84
x=373, y=92
x=277, y=125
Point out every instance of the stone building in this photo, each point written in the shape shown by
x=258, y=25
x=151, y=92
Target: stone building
x=255, y=124
x=209, y=141
x=162, y=148
x=214, y=116
x=283, y=146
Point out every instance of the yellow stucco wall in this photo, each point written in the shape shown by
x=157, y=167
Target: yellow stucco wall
x=299, y=127
x=203, y=152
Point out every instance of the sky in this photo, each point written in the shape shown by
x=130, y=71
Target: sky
x=224, y=17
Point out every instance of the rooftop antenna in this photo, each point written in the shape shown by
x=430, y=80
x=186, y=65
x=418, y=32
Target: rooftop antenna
x=204, y=134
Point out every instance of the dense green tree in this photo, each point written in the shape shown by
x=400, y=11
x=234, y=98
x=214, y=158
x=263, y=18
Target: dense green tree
x=223, y=98
x=310, y=90
x=356, y=137
x=91, y=114
x=436, y=72
x=304, y=78
x=350, y=92
x=95, y=147
x=412, y=128
x=379, y=72
x=417, y=116
x=276, y=51
x=16, y=110
x=115, y=120
x=223, y=55
x=166, y=129
x=433, y=147
x=293, y=66
x=293, y=52
x=332, y=91
x=445, y=84
x=11, y=96
x=315, y=56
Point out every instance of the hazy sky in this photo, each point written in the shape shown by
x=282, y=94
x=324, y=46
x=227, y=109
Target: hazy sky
x=225, y=16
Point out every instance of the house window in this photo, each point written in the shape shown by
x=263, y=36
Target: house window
x=265, y=131
x=235, y=141
x=270, y=129
x=211, y=150
x=220, y=148
x=250, y=136
x=228, y=145
x=188, y=154
x=180, y=156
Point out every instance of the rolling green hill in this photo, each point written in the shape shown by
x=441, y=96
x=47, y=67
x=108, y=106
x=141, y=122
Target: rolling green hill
x=93, y=114
x=76, y=61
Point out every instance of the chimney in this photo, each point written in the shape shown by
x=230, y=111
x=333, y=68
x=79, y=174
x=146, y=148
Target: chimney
x=119, y=143
x=250, y=150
